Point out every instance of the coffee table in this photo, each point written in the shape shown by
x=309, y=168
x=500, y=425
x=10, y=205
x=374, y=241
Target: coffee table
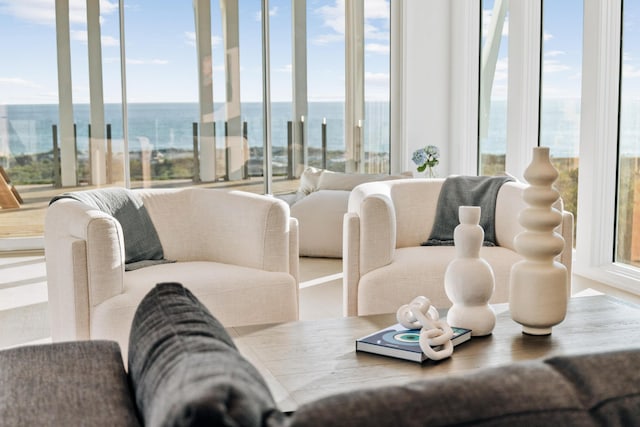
x=303, y=361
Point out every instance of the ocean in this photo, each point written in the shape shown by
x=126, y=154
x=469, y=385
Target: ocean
x=27, y=129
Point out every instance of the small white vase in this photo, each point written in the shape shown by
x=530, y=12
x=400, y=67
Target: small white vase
x=469, y=281
x=538, y=285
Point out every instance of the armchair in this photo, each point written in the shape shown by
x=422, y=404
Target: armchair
x=383, y=262
x=237, y=251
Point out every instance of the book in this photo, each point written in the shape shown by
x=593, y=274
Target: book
x=402, y=343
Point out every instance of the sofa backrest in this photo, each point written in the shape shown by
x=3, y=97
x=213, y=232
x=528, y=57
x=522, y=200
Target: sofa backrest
x=415, y=202
x=197, y=224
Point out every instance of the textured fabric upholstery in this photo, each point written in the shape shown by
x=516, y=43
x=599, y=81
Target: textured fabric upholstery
x=66, y=384
x=186, y=370
x=382, y=272
x=321, y=209
x=320, y=218
x=231, y=247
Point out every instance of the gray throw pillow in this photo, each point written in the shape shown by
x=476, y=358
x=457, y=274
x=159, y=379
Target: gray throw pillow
x=186, y=370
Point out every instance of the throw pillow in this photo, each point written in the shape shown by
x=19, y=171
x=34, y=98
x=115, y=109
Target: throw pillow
x=309, y=180
x=186, y=370
x=142, y=245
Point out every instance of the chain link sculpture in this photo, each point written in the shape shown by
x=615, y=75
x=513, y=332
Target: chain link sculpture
x=434, y=332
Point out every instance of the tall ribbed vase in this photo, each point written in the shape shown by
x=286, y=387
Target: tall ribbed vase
x=538, y=292
x=469, y=281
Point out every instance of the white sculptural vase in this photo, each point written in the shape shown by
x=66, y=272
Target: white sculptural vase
x=469, y=281
x=538, y=285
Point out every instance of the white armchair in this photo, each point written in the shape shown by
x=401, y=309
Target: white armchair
x=236, y=251
x=384, y=264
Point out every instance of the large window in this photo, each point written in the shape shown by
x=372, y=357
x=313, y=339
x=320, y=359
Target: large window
x=173, y=51
x=560, y=93
x=493, y=87
x=628, y=206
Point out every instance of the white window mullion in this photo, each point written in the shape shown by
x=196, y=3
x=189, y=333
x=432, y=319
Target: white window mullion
x=67, y=140
x=465, y=66
x=354, y=84
x=523, y=105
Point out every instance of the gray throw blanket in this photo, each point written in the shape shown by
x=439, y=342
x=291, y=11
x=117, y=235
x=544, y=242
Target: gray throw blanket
x=142, y=245
x=466, y=191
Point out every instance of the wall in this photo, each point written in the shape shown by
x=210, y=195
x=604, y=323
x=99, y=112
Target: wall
x=426, y=79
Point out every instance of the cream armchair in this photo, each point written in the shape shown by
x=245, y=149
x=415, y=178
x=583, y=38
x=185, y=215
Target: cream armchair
x=384, y=264
x=236, y=251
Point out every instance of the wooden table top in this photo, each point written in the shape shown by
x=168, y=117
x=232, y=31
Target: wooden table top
x=303, y=361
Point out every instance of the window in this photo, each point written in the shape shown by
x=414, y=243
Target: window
x=560, y=97
x=494, y=68
x=627, y=249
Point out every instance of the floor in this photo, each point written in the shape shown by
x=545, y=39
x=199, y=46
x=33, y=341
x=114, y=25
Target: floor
x=24, y=317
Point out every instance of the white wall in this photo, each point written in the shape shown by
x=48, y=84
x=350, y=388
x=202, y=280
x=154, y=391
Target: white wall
x=439, y=90
x=426, y=79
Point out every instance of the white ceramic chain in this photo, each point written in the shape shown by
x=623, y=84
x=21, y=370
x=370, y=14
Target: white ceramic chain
x=435, y=332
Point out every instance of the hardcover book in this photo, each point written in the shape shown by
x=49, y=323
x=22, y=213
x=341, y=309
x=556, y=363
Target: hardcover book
x=402, y=343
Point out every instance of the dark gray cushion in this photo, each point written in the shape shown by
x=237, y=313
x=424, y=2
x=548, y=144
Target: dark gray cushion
x=142, y=245
x=608, y=384
x=186, y=370
x=526, y=394
x=65, y=384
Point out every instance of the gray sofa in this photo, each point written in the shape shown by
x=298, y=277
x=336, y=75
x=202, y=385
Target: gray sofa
x=185, y=370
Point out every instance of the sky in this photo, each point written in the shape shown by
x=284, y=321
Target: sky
x=161, y=52
x=161, y=55
x=562, y=49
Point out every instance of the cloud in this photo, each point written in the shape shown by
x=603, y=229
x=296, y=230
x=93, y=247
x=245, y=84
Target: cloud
x=555, y=53
x=325, y=39
x=272, y=12
x=376, y=78
x=546, y=36
x=82, y=36
x=376, y=25
x=287, y=68
x=630, y=71
x=43, y=11
x=376, y=48
x=190, y=39
x=18, y=81
x=132, y=61
x=554, y=66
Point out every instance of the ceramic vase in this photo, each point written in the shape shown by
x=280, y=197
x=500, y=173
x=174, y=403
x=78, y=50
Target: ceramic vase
x=469, y=281
x=538, y=285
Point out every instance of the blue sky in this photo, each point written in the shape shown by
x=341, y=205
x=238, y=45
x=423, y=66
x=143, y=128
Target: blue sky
x=161, y=53
x=161, y=60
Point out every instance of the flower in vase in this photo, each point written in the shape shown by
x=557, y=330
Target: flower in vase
x=426, y=157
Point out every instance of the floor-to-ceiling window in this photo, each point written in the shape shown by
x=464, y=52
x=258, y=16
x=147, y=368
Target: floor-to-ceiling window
x=494, y=66
x=560, y=93
x=167, y=137
x=627, y=249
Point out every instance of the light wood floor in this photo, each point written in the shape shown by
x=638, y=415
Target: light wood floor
x=28, y=220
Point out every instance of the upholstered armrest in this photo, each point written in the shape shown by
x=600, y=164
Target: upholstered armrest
x=294, y=260
x=377, y=232
x=350, y=263
x=369, y=241
x=85, y=263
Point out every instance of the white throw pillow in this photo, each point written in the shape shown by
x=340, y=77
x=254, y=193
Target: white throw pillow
x=309, y=180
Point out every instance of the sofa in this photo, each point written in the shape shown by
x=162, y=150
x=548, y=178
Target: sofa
x=237, y=251
x=184, y=369
x=319, y=206
x=384, y=264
